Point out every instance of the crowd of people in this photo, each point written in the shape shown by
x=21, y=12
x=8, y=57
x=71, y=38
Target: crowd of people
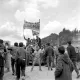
x=63, y=60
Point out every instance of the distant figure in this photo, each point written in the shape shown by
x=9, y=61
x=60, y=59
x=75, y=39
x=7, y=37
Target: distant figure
x=49, y=53
x=73, y=56
x=38, y=41
x=21, y=61
x=1, y=60
x=64, y=66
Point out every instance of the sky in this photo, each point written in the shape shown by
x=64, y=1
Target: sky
x=54, y=15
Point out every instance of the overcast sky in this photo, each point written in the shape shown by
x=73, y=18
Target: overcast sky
x=53, y=14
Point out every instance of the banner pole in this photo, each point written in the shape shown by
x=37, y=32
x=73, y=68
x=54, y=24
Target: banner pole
x=39, y=25
x=23, y=29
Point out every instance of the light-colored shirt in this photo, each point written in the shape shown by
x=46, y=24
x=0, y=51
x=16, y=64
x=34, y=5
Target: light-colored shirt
x=37, y=53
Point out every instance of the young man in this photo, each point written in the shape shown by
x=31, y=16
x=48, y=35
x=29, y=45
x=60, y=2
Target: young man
x=37, y=58
x=64, y=66
x=38, y=40
x=72, y=56
x=1, y=61
x=21, y=61
x=13, y=58
x=49, y=53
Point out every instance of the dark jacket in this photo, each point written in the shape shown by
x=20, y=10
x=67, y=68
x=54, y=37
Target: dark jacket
x=2, y=56
x=1, y=61
x=64, y=68
x=49, y=51
x=39, y=42
x=71, y=52
x=14, y=52
x=21, y=53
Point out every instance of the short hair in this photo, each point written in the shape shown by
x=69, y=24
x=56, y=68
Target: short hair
x=1, y=41
x=20, y=44
x=16, y=44
x=7, y=43
x=48, y=44
x=61, y=50
x=69, y=42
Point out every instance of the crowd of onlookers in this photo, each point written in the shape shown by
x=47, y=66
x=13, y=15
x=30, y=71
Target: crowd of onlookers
x=18, y=57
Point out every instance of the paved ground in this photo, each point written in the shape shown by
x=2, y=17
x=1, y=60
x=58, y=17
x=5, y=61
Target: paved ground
x=37, y=75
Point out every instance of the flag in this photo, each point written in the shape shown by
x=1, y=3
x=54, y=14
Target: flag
x=33, y=26
x=35, y=32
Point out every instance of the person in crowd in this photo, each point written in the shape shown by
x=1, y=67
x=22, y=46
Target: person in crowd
x=77, y=54
x=21, y=61
x=78, y=57
x=64, y=66
x=13, y=58
x=28, y=41
x=28, y=49
x=37, y=57
x=42, y=48
x=72, y=56
x=38, y=40
x=49, y=53
x=56, y=54
x=1, y=59
x=7, y=57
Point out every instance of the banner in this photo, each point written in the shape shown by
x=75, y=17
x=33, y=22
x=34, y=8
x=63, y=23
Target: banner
x=35, y=33
x=33, y=26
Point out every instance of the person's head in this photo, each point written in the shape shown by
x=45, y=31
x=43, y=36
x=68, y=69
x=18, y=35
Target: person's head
x=1, y=48
x=1, y=41
x=28, y=39
x=69, y=42
x=48, y=44
x=61, y=50
x=20, y=44
x=16, y=44
x=7, y=44
x=37, y=37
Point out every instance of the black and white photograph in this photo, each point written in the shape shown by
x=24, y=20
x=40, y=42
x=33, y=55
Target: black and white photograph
x=39, y=39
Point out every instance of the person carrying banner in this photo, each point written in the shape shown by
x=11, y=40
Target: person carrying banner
x=38, y=40
x=28, y=41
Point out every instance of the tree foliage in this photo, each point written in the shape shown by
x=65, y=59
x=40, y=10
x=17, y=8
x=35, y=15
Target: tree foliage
x=64, y=36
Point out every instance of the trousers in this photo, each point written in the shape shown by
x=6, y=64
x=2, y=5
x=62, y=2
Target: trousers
x=20, y=67
x=1, y=73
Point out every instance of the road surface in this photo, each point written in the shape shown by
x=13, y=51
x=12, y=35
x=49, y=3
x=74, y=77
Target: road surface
x=37, y=75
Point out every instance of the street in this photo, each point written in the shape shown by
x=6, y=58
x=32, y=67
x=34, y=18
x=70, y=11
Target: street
x=37, y=75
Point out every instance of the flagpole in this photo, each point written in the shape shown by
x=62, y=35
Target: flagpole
x=23, y=29
x=39, y=24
